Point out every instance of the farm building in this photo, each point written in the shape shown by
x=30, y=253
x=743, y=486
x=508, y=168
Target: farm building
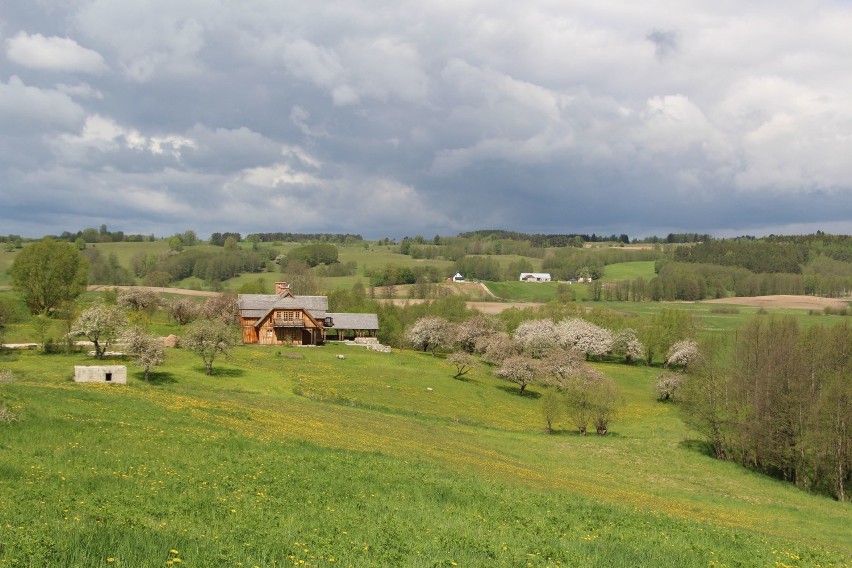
x=535, y=277
x=100, y=374
x=285, y=319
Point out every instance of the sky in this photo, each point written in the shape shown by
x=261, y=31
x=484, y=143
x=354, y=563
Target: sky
x=431, y=118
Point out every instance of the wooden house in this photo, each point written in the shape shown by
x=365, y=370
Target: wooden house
x=285, y=319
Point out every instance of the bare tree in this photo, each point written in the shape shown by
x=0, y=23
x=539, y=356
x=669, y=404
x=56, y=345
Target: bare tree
x=463, y=362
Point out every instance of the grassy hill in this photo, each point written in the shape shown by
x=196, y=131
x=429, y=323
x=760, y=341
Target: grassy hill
x=371, y=460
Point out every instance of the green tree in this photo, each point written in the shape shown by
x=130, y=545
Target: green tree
x=48, y=273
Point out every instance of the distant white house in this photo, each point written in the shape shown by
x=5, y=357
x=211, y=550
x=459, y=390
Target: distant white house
x=458, y=277
x=535, y=277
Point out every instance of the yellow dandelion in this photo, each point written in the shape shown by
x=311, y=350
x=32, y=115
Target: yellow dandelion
x=110, y=559
x=173, y=551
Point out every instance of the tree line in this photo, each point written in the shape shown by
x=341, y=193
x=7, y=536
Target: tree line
x=777, y=398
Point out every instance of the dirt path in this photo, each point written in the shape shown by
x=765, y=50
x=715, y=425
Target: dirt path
x=484, y=307
x=182, y=291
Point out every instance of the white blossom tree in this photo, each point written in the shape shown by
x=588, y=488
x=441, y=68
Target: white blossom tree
x=183, y=310
x=147, y=350
x=430, y=333
x=667, y=385
x=589, y=338
x=520, y=370
x=682, y=353
x=498, y=347
x=101, y=324
x=627, y=343
x=138, y=299
x=536, y=337
x=473, y=331
x=209, y=338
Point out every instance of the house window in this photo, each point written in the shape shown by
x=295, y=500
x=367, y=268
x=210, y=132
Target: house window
x=108, y=377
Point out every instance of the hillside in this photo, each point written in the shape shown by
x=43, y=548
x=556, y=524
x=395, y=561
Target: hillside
x=321, y=461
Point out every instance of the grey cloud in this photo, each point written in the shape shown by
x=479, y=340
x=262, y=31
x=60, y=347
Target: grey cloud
x=431, y=118
x=666, y=42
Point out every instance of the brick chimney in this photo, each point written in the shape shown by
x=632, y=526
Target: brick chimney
x=282, y=289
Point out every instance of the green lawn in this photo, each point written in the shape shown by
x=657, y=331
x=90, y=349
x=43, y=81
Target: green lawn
x=371, y=460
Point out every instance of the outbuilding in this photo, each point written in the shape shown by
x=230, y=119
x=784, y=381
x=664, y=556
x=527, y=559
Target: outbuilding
x=100, y=374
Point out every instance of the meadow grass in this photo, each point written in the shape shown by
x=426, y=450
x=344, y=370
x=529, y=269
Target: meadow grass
x=321, y=461
x=516, y=291
x=629, y=271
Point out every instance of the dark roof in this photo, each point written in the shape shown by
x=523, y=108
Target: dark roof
x=258, y=305
x=354, y=321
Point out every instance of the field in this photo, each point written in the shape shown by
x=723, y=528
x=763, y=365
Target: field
x=295, y=457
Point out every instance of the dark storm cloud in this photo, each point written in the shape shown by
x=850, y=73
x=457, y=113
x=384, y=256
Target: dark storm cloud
x=164, y=115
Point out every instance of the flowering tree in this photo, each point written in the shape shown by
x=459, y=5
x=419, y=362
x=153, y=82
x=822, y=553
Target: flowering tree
x=520, y=370
x=472, y=331
x=101, y=324
x=183, y=310
x=536, y=337
x=209, y=338
x=138, y=299
x=589, y=338
x=429, y=333
x=147, y=350
x=560, y=364
x=497, y=347
x=667, y=385
x=626, y=343
x=222, y=307
x=682, y=353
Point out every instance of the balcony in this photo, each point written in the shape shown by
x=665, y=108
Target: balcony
x=287, y=322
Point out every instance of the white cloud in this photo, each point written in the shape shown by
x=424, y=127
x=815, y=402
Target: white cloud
x=105, y=135
x=53, y=54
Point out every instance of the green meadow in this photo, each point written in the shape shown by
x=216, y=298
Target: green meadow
x=296, y=457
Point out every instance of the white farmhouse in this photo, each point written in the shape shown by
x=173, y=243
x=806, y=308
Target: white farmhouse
x=535, y=277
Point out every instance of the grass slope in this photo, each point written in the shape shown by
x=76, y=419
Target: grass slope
x=322, y=461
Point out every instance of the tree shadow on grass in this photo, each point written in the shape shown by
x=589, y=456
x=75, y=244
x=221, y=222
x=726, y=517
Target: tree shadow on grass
x=156, y=377
x=221, y=371
x=464, y=379
x=515, y=390
x=698, y=446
